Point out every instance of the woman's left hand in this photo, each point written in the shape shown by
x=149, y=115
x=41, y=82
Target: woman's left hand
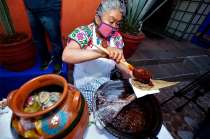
x=115, y=54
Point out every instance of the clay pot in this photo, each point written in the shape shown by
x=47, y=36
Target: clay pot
x=18, y=56
x=131, y=43
x=67, y=118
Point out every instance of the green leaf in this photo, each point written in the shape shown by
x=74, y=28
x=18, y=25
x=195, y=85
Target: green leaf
x=146, y=8
x=136, y=11
x=5, y=18
x=141, y=4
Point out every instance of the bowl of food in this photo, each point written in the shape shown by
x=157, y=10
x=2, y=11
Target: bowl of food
x=139, y=118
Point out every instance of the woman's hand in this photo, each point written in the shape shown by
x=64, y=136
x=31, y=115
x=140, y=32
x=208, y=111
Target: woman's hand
x=115, y=54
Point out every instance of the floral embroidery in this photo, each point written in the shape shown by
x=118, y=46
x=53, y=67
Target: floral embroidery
x=83, y=36
x=117, y=44
x=90, y=43
x=118, y=41
x=80, y=36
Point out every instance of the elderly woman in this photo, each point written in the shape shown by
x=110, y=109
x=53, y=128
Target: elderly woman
x=93, y=66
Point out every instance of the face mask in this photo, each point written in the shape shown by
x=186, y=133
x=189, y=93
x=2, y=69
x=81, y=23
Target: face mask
x=106, y=30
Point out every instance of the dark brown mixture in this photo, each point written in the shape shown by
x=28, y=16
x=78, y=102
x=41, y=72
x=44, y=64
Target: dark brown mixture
x=129, y=120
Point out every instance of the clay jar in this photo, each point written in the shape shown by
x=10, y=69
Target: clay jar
x=67, y=118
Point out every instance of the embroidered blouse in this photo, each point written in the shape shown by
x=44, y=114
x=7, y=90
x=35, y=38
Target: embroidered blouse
x=100, y=68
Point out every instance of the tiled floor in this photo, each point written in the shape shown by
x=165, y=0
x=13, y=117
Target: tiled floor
x=170, y=59
x=182, y=124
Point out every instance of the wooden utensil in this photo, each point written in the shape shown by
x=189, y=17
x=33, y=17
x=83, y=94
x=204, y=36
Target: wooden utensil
x=139, y=73
x=128, y=65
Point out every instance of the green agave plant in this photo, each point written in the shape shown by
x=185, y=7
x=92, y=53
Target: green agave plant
x=5, y=19
x=137, y=11
x=9, y=34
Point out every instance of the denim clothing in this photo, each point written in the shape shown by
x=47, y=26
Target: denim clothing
x=47, y=21
x=42, y=5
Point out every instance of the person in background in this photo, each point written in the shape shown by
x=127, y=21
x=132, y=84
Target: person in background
x=44, y=16
x=92, y=66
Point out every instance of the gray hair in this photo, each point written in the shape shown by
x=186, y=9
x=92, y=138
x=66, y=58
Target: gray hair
x=107, y=5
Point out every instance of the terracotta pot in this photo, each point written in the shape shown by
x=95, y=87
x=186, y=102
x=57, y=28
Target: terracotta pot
x=18, y=56
x=131, y=43
x=67, y=118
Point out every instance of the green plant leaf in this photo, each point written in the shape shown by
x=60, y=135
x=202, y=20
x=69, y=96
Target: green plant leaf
x=133, y=9
x=129, y=8
x=146, y=8
x=141, y=4
x=136, y=11
x=5, y=19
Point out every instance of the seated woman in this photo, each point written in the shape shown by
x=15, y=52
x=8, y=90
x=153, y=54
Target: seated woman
x=92, y=66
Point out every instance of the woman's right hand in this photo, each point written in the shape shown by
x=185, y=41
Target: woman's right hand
x=115, y=54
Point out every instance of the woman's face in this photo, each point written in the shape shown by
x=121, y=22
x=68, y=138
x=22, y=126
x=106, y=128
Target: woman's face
x=112, y=17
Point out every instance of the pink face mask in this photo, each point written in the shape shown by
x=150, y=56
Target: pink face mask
x=106, y=30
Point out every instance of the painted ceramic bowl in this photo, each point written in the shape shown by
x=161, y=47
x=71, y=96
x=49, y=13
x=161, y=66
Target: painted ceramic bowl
x=67, y=117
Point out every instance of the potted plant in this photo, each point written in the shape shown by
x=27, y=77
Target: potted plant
x=137, y=11
x=17, y=51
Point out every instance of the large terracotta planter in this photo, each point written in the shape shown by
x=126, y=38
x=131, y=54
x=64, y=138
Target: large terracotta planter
x=67, y=118
x=131, y=43
x=18, y=56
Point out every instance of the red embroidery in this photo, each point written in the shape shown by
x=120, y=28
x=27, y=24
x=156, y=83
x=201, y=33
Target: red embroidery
x=90, y=43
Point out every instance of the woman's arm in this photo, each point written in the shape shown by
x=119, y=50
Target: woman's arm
x=117, y=55
x=74, y=54
x=124, y=70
